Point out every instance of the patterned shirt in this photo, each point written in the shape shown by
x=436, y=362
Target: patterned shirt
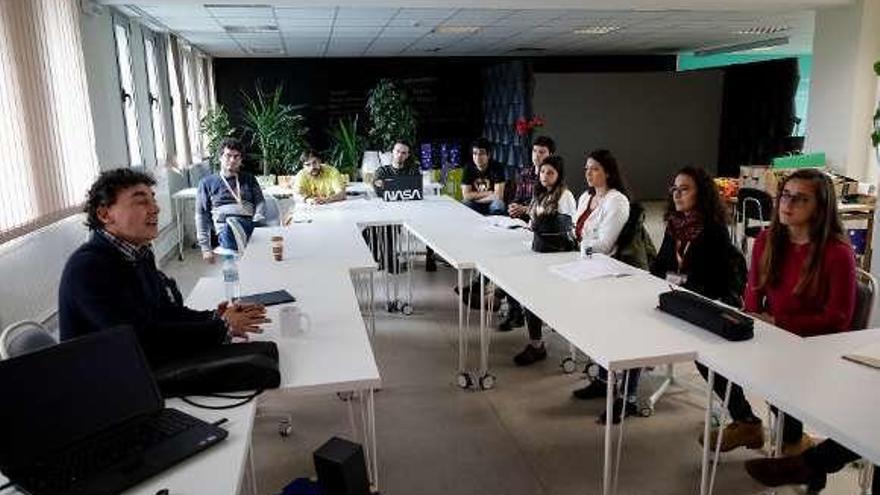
x=525, y=185
x=130, y=251
x=328, y=183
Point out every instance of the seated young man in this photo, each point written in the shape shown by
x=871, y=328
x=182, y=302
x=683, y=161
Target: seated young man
x=318, y=183
x=112, y=279
x=228, y=193
x=482, y=183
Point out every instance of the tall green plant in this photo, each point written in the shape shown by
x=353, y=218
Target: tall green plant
x=277, y=130
x=391, y=114
x=346, y=145
x=215, y=127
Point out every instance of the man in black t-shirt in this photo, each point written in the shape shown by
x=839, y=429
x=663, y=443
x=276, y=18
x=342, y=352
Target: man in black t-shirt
x=482, y=184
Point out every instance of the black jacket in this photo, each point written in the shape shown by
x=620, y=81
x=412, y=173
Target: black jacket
x=101, y=289
x=705, y=262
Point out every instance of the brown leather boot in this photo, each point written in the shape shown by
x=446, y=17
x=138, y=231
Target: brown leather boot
x=739, y=434
x=786, y=471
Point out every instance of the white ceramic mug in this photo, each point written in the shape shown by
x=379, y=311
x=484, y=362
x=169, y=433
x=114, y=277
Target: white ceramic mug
x=294, y=321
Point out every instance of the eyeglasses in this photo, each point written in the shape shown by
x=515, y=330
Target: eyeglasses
x=796, y=199
x=679, y=190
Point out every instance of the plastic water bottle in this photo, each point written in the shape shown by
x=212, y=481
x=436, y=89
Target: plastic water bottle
x=230, y=278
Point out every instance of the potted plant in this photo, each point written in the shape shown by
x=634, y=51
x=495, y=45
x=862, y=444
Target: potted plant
x=346, y=146
x=278, y=131
x=391, y=115
x=215, y=126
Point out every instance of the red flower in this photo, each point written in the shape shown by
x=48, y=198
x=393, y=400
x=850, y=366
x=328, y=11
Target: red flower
x=537, y=122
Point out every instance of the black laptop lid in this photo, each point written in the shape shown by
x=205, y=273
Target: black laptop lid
x=402, y=188
x=60, y=394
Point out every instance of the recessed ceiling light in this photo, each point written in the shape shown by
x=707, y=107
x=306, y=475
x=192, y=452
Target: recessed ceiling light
x=264, y=51
x=763, y=30
x=597, y=30
x=251, y=29
x=456, y=29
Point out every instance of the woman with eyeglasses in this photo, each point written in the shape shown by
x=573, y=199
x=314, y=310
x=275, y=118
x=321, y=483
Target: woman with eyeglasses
x=551, y=197
x=696, y=239
x=802, y=279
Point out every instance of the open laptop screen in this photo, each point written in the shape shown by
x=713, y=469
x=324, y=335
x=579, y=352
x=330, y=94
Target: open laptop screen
x=58, y=395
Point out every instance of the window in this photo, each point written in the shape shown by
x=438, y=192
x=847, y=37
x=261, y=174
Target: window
x=46, y=131
x=157, y=111
x=177, y=103
x=126, y=83
x=191, y=105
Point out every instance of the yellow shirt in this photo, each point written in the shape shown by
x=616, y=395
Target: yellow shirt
x=328, y=183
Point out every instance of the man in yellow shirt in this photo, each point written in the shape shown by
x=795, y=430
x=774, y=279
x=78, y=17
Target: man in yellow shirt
x=318, y=183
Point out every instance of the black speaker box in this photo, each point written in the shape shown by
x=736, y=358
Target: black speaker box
x=341, y=468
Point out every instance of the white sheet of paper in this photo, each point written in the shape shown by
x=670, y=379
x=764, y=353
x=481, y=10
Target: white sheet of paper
x=593, y=267
x=868, y=355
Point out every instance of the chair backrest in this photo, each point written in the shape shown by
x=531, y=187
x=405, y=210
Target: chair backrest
x=754, y=204
x=24, y=337
x=866, y=292
x=272, y=211
x=197, y=172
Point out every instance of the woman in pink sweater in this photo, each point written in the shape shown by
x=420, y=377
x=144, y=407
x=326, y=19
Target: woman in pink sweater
x=802, y=279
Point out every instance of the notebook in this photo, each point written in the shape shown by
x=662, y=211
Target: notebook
x=85, y=417
x=868, y=355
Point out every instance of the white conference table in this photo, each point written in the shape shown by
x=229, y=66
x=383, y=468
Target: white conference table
x=809, y=380
x=224, y=469
x=614, y=320
x=333, y=355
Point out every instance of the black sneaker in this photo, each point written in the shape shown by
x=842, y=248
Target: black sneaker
x=530, y=355
x=513, y=320
x=631, y=410
x=594, y=390
x=430, y=265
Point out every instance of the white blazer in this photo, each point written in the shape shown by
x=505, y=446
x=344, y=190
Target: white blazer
x=600, y=231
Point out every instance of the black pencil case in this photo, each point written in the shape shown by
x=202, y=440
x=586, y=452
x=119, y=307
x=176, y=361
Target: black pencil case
x=707, y=314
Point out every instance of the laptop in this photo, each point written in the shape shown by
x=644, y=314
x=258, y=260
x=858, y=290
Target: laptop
x=401, y=188
x=85, y=417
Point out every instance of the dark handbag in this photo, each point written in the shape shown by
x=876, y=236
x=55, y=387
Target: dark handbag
x=705, y=313
x=250, y=366
x=553, y=234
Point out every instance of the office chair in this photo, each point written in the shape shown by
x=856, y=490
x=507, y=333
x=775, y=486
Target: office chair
x=24, y=337
x=272, y=212
x=752, y=204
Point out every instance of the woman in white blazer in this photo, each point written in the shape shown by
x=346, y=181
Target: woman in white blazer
x=604, y=208
x=602, y=212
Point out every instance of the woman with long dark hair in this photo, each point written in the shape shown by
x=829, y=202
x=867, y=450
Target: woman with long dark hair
x=803, y=280
x=551, y=198
x=696, y=241
x=604, y=208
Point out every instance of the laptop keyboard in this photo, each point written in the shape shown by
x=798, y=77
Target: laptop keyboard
x=62, y=472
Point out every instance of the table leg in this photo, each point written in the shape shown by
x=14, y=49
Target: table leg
x=620, y=431
x=179, y=230
x=607, y=485
x=483, y=364
x=371, y=434
x=719, y=439
x=371, y=312
x=253, y=471
x=461, y=339
x=704, y=475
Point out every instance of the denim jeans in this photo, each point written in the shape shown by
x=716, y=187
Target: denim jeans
x=496, y=207
x=225, y=237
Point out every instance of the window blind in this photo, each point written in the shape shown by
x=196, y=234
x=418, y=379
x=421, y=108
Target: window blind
x=46, y=131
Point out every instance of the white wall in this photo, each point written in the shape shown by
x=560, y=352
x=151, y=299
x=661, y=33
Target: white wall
x=843, y=87
x=31, y=266
x=654, y=123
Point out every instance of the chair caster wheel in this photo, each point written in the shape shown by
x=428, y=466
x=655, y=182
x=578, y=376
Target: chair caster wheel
x=646, y=412
x=592, y=370
x=407, y=309
x=569, y=366
x=464, y=380
x=285, y=429
x=487, y=381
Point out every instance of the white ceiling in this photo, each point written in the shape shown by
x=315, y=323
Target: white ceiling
x=281, y=29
